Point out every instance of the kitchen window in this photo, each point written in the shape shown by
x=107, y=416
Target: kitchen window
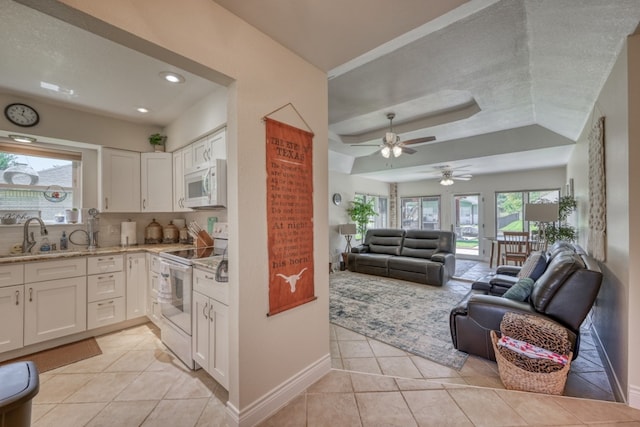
x=38, y=179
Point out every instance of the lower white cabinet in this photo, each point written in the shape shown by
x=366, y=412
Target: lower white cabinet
x=153, y=307
x=137, y=273
x=11, y=317
x=54, y=309
x=210, y=337
x=105, y=312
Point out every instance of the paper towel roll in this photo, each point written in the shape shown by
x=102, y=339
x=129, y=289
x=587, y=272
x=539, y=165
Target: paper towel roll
x=128, y=233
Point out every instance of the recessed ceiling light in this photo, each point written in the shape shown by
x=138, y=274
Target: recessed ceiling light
x=142, y=110
x=22, y=138
x=172, y=77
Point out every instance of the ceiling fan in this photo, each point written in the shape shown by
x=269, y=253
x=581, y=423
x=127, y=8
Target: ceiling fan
x=448, y=177
x=391, y=142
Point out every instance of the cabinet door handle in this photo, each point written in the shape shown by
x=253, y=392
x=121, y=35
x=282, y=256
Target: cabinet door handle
x=204, y=311
x=17, y=297
x=105, y=259
x=210, y=316
x=144, y=204
x=106, y=203
x=208, y=277
x=105, y=303
x=130, y=266
x=30, y=294
x=105, y=277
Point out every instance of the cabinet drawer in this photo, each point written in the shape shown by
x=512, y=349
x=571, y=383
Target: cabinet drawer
x=58, y=269
x=104, y=264
x=204, y=281
x=105, y=312
x=154, y=264
x=11, y=275
x=107, y=285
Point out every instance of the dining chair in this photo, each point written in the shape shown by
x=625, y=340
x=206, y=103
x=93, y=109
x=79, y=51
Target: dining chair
x=515, y=247
x=537, y=242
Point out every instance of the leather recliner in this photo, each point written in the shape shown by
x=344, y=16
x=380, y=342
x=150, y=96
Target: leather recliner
x=564, y=294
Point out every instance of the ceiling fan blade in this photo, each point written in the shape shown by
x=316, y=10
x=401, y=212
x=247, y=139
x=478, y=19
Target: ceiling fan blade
x=461, y=178
x=408, y=150
x=365, y=145
x=419, y=140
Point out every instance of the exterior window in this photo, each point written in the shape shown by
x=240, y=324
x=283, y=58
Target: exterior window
x=38, y=182
x=510, y=208
x=420, y=213
x=381, y=206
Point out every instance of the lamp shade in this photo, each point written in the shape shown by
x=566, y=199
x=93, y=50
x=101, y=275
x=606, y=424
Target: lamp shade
x=347, y=229
x=541, y=212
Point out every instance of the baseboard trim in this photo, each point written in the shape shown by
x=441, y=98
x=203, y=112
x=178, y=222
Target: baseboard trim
x=278, y=397
x=618, y=393
x=634, y=396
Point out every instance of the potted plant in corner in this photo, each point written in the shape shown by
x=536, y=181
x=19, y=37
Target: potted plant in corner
x=360, y=212
x=157, y=141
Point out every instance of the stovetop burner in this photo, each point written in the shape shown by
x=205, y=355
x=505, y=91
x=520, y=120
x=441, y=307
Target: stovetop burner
x=185, y=256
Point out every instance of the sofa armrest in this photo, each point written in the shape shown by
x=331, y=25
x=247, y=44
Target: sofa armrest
x=360, y=249
x=442, y=257
x=488, y=310
x=508, y=270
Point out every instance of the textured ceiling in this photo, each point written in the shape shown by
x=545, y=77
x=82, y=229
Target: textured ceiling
x=466, y=72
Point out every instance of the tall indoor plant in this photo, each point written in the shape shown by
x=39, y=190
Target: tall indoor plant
x=360, y=212
x=561, y=230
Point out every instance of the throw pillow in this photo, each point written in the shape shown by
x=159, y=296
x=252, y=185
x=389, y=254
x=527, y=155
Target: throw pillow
x=534, y=266
x=520, y=291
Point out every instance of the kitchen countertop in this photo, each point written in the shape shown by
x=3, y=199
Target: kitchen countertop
x=42, y=256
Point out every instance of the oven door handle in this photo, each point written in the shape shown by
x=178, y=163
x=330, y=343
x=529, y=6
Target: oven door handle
x=175, y=266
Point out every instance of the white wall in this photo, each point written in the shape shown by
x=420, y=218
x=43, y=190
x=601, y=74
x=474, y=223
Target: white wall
x=614, y=320
x=266, y=352
x=347, y=186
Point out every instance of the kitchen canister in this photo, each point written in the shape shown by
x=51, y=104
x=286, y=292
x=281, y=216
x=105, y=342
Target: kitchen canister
x=153, y=233
x=128, y=233
x=171, y=233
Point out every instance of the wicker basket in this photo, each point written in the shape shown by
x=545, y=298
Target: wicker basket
x=519, y=372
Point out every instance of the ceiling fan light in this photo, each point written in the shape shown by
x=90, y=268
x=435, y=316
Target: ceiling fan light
x=386, y=152
x=397, y=150
x=446, y=181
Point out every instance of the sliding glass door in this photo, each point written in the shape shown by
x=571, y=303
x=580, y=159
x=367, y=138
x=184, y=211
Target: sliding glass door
x=466, y=220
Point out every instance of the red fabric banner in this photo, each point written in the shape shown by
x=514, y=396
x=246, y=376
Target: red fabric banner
x=289, y=216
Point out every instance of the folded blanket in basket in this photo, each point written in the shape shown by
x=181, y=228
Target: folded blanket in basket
x=530, y=350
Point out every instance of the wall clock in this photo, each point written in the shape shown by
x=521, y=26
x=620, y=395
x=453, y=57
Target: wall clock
x=21, y=115
x=337, y=199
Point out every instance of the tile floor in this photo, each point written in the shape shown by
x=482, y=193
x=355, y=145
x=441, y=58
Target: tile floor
x=136, y=381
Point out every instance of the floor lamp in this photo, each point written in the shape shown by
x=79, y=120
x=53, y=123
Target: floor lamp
x=347, y=230
x=542, y=213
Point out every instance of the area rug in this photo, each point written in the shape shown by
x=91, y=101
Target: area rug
x=405, y=315
x=53, y=358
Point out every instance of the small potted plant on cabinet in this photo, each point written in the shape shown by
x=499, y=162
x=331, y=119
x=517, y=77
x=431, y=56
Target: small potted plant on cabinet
x=157, y=141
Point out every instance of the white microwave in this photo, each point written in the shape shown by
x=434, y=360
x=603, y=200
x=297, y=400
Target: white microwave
x=206, y=187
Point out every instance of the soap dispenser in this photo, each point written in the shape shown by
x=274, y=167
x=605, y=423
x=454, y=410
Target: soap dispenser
x=45, y=246
x=64, y=241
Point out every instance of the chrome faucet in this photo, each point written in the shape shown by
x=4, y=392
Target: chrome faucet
x=28, y=241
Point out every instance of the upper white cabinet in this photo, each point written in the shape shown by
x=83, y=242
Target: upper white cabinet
x=180, y=164
x=156, y=182
x=218, y=143
x=119, y=181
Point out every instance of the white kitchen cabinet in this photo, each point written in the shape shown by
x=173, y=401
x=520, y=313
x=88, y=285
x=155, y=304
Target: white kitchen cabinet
x=210, y=334
x=12, y=274
x=119, y=181
x=200, y=150
x=11, y=317
x=218, y=145
x=105, y=290
x=153, y=307
x=54, y=308
x=137, y=273
x=41, y=271
x=180, y=163
x=156, y=182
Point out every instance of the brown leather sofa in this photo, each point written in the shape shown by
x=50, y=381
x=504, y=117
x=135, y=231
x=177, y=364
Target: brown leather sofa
x=423, y=256
x=564, y=294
